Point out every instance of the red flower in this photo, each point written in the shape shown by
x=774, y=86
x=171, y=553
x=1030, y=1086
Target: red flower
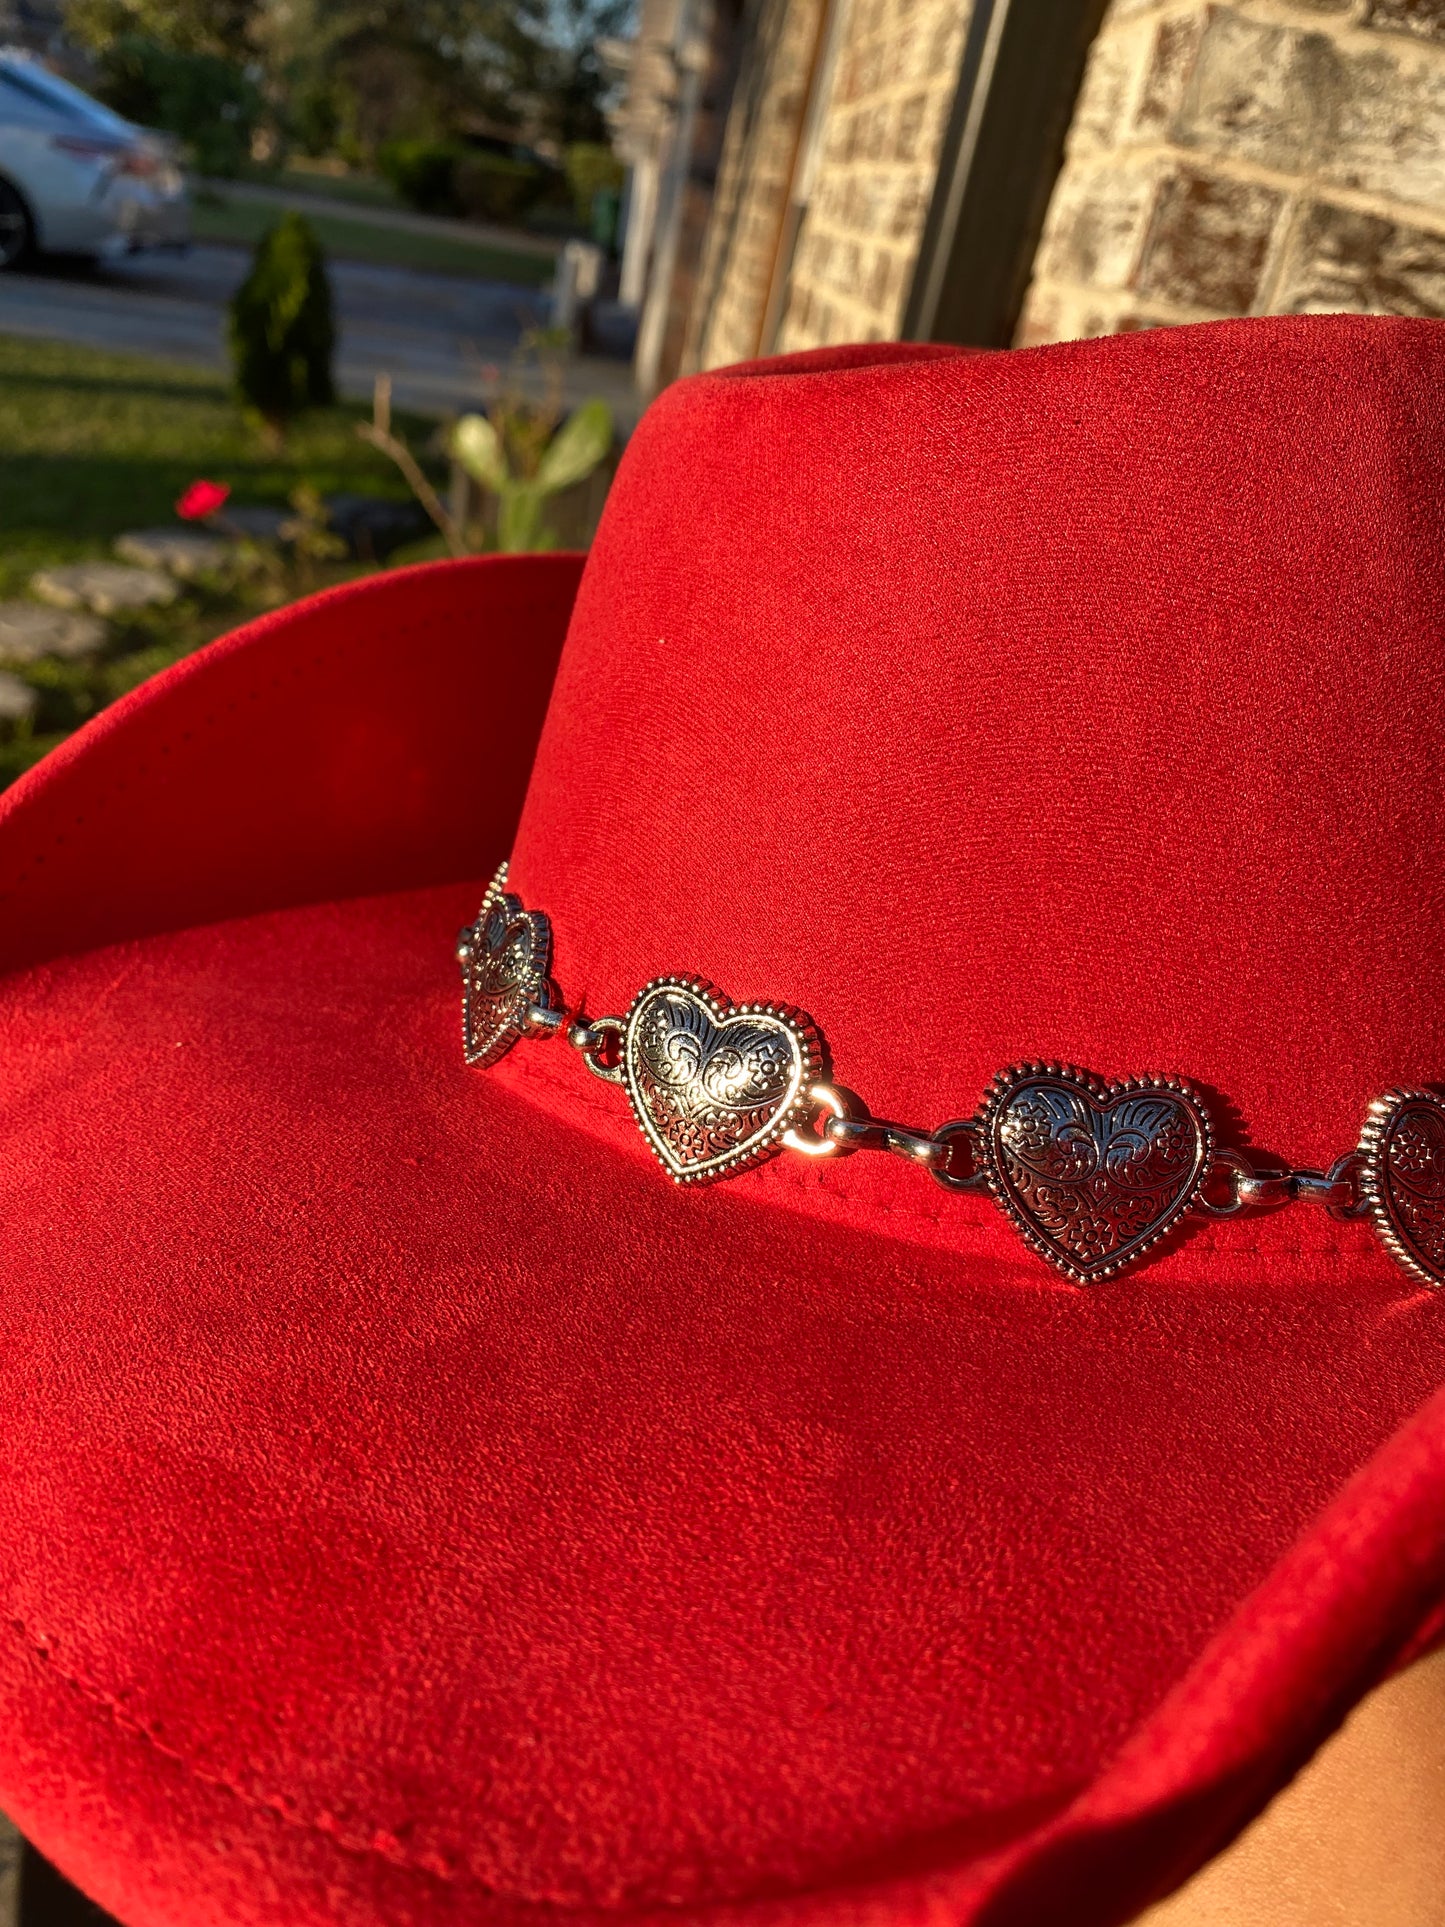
x=202, y=499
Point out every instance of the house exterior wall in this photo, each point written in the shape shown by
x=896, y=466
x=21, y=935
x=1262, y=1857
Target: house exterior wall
x=705, y=51
x=1259, y=157
x=864, y=189
x=643, y=125
x=883, y=122
x=755, y=183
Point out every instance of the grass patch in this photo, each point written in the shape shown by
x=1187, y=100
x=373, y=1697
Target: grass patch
x=354, y=190
x=95, y=444
x=216, y=216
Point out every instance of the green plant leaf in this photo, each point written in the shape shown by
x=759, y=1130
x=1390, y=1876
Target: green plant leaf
x=478, y=447
x=578, y=446
x=519, y=520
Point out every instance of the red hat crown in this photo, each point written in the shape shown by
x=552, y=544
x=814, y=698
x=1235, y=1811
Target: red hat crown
x=1083, y=703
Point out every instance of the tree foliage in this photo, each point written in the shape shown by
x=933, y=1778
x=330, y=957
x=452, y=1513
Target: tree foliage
x=431, y=69
x=538, y=64
x=224, y=29
x=204, y=100
x=347, y=75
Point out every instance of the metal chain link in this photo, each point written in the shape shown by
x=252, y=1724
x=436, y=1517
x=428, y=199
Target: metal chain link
x=1337, y=1189
x=589, y=1036
x=848, y=1127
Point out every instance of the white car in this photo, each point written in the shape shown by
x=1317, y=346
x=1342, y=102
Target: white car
x=76, y=178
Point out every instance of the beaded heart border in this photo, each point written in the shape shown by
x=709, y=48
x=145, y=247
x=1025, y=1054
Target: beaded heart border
x=1092, y=1175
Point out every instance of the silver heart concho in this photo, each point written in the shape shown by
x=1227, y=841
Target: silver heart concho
x=1402, y=1178
x=506, y=956
x=714, y=1086
x=1092, y=1174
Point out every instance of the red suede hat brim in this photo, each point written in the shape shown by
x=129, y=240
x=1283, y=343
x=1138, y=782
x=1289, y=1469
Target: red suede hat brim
x=412, y=1510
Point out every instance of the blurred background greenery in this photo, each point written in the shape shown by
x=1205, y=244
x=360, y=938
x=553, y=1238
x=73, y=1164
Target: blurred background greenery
x=492, y=110
x=461, y=137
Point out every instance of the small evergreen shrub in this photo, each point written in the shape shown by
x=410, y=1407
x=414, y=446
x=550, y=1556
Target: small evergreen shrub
x=315, y=120
x=422, y=172
x=282, y=333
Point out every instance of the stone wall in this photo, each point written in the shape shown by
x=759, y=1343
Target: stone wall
x=841, y=271
x=893, y=85
x=756, y=181
x=1260, y=157
x=707, y=46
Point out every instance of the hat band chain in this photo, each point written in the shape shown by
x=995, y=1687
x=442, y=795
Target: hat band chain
x=1092, y=1175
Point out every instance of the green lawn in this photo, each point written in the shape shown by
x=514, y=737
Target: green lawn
x=359, y=190
x=548, y=222
x=92, y=444
x=217, y=217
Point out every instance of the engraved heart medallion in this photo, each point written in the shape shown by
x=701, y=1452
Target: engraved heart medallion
x=1092, y=1174
x=714, y=1087
x=1402, y=1178
x=505, y=957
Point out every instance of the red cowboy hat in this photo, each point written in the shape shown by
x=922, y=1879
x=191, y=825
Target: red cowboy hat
x=415, y=1508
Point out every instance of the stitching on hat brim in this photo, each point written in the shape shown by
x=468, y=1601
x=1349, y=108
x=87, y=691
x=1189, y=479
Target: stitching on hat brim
x=380, y=1845
x=278, y=1805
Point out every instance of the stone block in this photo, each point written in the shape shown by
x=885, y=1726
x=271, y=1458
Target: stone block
x=18, y=701
x=883, y=279
x=858, y=203
x=1173, y=49
x=1208, y=243
x=910, y=210
x=1035, y=329
x=908, y=127
x=1423, y=18
x=1067, y=314
x=183, y=552
x=109, y=588
x=1097, y=225
x=1340, y=259
x=1043, y=319
x=869, y=19
x=29, y=630
x=895, y=60
x=1389, y=136
x=1108, y=88
x=947, y=40
x=867, y=75
x=1259, y=92
x=845, y=86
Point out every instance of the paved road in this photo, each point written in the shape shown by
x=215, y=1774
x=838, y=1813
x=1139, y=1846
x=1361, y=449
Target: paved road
x=432, y=332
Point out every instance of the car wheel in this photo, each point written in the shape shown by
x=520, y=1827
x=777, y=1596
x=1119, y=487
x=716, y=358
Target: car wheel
x=17, y=233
